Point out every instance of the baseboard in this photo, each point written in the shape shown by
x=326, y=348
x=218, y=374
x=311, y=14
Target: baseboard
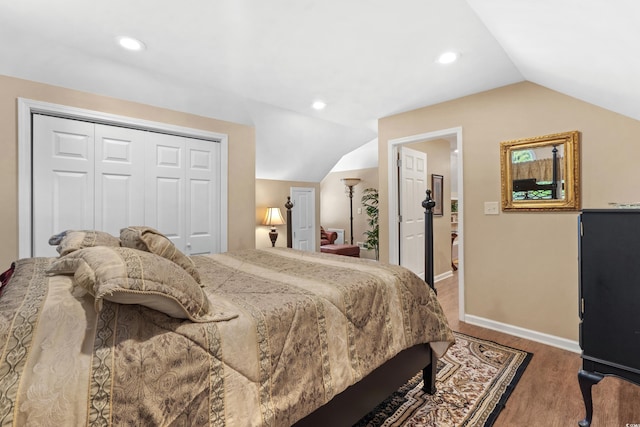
x=443, y=276
x=517, y=331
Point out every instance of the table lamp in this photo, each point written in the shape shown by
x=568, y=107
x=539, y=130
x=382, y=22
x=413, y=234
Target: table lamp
x=273, y=218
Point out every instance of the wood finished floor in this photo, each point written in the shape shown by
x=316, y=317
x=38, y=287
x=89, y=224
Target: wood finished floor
x=548, y=394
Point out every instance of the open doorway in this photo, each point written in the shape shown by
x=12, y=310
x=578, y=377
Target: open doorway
x=454, y=135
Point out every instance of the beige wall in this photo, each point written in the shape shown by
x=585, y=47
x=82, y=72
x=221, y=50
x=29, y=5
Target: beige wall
x=335, y=204
x=439, y=163
x=241, y=154
x=273, y=193
x=521, y=268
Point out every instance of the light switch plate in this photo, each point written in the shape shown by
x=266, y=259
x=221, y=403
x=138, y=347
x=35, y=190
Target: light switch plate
x=491, y=208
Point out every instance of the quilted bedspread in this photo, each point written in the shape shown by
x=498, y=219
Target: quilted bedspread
x=308, y=325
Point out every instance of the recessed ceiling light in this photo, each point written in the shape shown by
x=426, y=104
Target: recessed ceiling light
x=130, y=43
x=319, y=105
x=448, y=57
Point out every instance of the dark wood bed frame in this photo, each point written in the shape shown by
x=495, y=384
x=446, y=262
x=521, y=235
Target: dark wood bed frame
x=348, y=407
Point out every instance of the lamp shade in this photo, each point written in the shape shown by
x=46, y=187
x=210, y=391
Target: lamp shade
x=273, y=217
x=350, y=182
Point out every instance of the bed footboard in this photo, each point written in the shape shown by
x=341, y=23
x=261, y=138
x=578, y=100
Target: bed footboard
x=348, y=407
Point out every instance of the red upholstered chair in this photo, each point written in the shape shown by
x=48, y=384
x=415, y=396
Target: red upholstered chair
x=327, y=237
x=348, y=250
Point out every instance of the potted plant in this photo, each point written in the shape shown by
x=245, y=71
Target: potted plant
x=370, y=202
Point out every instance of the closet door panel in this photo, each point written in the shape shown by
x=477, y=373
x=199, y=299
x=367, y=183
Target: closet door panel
x=203, y=195
x=69, y=211
x=120, y=188
x=169, y=206
x=63, y=179
x=165, y=186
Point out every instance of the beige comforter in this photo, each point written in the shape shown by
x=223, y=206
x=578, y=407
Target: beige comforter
x=308, y=326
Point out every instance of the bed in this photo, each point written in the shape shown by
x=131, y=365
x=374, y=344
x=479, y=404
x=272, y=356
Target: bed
x=132, y=332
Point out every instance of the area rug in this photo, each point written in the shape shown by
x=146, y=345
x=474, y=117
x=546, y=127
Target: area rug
x=474, y=381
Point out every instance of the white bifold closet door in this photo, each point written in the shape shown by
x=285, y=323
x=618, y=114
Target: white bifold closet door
x=181, y=191
x=102, y=177
x=119, y=178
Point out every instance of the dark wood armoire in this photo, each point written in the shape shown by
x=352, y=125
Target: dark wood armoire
x=609, y=298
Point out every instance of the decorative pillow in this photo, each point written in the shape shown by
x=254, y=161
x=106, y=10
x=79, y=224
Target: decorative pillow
x=151, y=240
x=130, y=276
x=72, y=240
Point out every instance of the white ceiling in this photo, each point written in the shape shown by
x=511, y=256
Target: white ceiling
x=264, y=62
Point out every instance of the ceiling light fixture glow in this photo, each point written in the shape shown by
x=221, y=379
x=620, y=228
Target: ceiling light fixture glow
x=319, y=105
x=448, y=57
x=130, y=43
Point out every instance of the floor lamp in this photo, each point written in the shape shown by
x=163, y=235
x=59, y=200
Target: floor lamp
x=350, y=183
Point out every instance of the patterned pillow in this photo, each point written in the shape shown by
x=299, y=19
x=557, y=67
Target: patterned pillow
x=72, y=240
x=151, y=240
x=130, y=276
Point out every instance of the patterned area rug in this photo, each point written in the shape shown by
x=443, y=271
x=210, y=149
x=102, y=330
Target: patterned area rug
x=474, y=381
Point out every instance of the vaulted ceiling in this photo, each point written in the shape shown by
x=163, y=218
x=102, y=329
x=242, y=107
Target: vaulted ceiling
x=264, y=63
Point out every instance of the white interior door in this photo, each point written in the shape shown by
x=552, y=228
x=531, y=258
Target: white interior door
x=304, y=218
x=63, y=179
x=412, y=179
